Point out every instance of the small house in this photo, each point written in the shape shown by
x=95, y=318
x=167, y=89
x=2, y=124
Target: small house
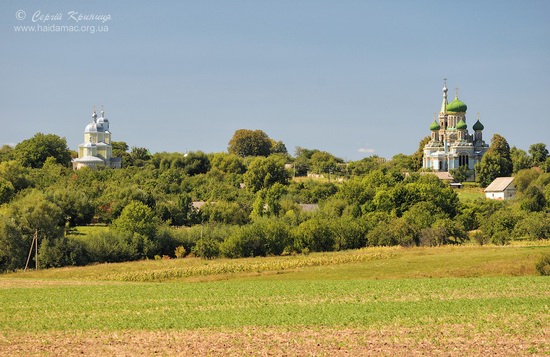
x=502, y=188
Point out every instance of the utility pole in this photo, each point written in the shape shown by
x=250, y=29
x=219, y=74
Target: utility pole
x=36, y=249
x=34, y=244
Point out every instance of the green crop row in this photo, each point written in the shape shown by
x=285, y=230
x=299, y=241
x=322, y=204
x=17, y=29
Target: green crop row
x=519, y=304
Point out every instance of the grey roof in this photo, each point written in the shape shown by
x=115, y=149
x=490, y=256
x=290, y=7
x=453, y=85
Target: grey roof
x=308, y=207
x=198, y=204
x=499, y=184
x=442, y=175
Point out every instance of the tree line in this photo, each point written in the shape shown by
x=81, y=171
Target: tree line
x=250, y=205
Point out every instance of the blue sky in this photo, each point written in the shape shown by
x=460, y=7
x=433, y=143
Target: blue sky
x=354, y=78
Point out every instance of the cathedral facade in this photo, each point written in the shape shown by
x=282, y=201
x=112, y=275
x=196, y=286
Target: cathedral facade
x=451, y=145
x=96, y=150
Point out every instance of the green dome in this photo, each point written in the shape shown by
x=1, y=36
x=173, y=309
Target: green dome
x=434, y=126
x=478, y=126
x=461, y=125
x=456, y=106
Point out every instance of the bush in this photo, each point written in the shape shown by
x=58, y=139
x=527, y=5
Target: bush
x=113, y=247
x=61, y=252
x=315, y=235
x=13, y=246
x=261, y=238
x=500, y=238
x=209, y=239
x=349, y=233
x=137, y=218
x=499, y=225
x=207, y=248
x=380, y=235
x=168, y=239
x=430, y=237
x=480, y=237
x=179, y=252
x=543, y=265
x=226, y=212
x=535, y=226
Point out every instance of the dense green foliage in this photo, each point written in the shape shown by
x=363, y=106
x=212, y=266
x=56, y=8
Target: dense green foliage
x=497, y=161
x=254, y=143
x=225, y=205
x=33, y=152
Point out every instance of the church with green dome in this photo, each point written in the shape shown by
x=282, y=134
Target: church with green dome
x=96, y=150
x=451, y=145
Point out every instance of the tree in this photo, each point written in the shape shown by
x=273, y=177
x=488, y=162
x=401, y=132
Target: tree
x=12, y=246
x=138, y=156
x=401, y=162
x=6, y=153
x=524, y=178
x=278, y=147
x=499, y=225
x=138, y=218
x=250, y=143
x=533, y=199
x=62, y=252
x=314, y=235
x=179, y=213
x=419, y=154
x=423, y=214
x=119, y=148
x=228, y=163
x=117, y=196
x=535, y=226
x=263, y=172
x=225, y=212
x=77, y=207
x=33, y=152
x=196, y=163
x=500, y=148
x=520, y=159
x=349, y=233
x=324, y=162
x=487, y=170
x=497, y=161
x=392, y=232
x=260, y=238
x=301, y=161
x=538, y=153
x=12, y=171
x=267, y=201
x=6, y=190
x=365, y=165
x=461, y=174
x=35, y=213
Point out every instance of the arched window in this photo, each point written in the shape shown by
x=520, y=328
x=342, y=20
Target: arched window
x=463, y=160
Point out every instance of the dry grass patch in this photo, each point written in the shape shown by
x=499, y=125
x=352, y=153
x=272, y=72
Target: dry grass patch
x=447, y=340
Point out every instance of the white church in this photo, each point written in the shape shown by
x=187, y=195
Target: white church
x=96, y=150
x=451, y=146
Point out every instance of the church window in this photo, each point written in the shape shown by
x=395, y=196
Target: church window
x=463, y=160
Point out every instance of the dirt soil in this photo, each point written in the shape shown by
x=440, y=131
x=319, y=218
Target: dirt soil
x=276, y=341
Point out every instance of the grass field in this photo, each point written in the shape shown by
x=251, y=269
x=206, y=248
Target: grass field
x=464, y=300
x=85, y=230
x=470, y=193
